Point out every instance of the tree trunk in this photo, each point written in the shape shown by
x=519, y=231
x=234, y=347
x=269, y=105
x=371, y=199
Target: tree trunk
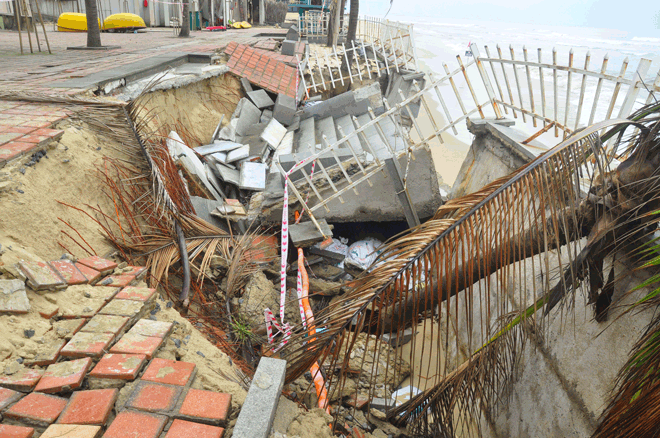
x=185, y=20
x=352, y=21
x=93, y=30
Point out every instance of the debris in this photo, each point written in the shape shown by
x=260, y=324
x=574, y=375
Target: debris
x=260, y=98
x=217, y=129
x=336, y=251
x=13, y=298
x=288, y=47
x=274, y=133
x=238, y=154
x=253, y=176
x=217, y=146
x=226, y=173
x=305, y=234
x=285, y=109
x=362, y=254
x=40, y=276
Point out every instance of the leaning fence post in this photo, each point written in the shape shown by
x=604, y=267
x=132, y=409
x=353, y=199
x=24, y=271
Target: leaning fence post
x=486, y=80
x=633, y=90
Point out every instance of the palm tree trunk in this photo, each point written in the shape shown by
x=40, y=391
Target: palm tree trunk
x=353, y=20
x=185, y=20
x=93, y=30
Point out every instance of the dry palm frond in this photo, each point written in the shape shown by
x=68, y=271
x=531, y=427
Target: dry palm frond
x=522, y=243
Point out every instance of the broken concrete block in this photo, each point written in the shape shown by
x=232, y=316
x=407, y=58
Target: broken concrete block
x=403, y=338
x=246, y=85
x=238, y=154
x=227, y=174
x=292, y=34
x=274, y=133
x=266, y=116
x=249, y=115
x=40, y=276
x=295, y=124
x=285, y=109
x=261, y=99
x=217, y=146
x=306, y=234
x=288, y=47
x=13, y=298
x=217, y=128
x=253, y=176
x=258, y=411
x=229, y=131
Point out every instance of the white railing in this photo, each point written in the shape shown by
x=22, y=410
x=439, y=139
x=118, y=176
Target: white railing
x=393, y=36
x=315, y=24
x=523, y=88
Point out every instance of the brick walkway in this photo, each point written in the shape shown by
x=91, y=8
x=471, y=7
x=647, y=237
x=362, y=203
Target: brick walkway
x=24, y=127
x=115, y=346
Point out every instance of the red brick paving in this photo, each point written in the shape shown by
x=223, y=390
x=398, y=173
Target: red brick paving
x=23, y=380
x=89, y=407
x=154, y=397
x=136, y=424
x=147, y=327
x=102, y=265
x=137, y=344
x=8, y=396
x=169, y=371
x=105, y=324
x=119, y=366
x=71, y=431
x=8, y=431
x=68, y=272
x=119, y=280
x=136, y=293
x=47, y=355
x=40, y=275
x=36, y=408
x=119, y=307
x=262, y=68
x=84, y=344
x=205, y=406
x=64, y=376
x=186, y=429
x=92, y=275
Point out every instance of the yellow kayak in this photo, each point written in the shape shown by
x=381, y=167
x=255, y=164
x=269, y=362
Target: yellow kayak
x=123, y=22
x=72, y=22
x=241, y=25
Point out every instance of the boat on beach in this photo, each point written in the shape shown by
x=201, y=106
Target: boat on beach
x=123, y=22
x=72, y=22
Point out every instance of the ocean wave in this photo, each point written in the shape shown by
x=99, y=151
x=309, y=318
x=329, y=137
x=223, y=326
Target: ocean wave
x=646, y=39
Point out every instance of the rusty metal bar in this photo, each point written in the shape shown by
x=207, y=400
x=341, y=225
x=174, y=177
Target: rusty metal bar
x=506, y=81
x=542, y=82
x=485, y=80
x=529, y=84
x=599, y=86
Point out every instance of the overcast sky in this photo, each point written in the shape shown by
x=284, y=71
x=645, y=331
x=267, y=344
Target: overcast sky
x=637, y=17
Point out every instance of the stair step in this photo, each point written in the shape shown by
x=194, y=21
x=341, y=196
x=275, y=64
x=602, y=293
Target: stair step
x=326, y=127
x=346, y=124
x=377, y=145
x=305, y=141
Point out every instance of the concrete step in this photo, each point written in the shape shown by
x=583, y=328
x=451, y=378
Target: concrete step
x=326, y=126
x=377, y=145
x=346, y=124
x=305, y=138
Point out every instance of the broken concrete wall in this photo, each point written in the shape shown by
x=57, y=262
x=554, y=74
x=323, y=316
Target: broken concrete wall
x=495, y=152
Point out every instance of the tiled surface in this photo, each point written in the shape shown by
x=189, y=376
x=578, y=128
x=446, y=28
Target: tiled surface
x=9, y=431
x=287, y=59
x=130, y=424
x=137, y=344
x=71, y=431
x=89, y=407
x=119, y=366
x=170, y=372
x=100, y=264
x=37, y=408
x=154, y=397
x=262, y=68
x=68, y=272
x=147, y=327
x=119, y=307
x=64, y=376
x=119, y=280
x=66, y=328
x=186, y=429
x=85, y=344
x=23, y=380
x=105, y=324
x=268, y=44
x=205, y=406
x=40, y=275
x=47, y=355
x=92, y=275
x=26, y=127
x=8, y=396
x=136, y=293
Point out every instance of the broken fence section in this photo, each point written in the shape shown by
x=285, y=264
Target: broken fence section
x=485, y=85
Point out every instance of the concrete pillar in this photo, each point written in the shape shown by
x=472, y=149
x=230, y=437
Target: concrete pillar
x=262, y=12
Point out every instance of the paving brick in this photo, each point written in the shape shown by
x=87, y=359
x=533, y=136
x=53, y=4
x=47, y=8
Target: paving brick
x=137, y=344
x=186, y=429
x=66, y=328
x=40, y=276
x=204, y=407
x=71, y=431
x=129, y=424
x=47, y=355
x=23, y=380
x=85, y=344
x=13, y=298
x=92, y=275
x=119, y=366
x=14, y=149
x=8, y=396
x=9, y=431
x=139, y=271
x=119, y=280
x=68, y=272
x=105, y=293
x=102, y=265
x=136, y=293
x=49, y=312
x=64, y=376
x=129, y=308
x=154, y=397
x=105, y=324
x=171, y=372
x=37, y=409
x=147, y=327
x=89, y=407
